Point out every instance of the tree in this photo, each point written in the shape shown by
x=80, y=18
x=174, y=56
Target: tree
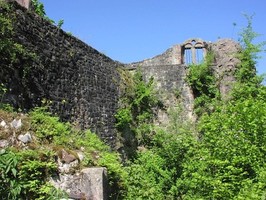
x=229, y=161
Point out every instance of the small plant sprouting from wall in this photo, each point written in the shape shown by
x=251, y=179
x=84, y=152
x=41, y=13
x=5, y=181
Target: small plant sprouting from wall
x=60, y=23
x=38, y=7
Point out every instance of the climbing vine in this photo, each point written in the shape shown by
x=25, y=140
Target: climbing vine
x=203, y=83
x=137, y=109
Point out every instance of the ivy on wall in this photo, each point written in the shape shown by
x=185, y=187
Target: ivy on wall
x=204, y=85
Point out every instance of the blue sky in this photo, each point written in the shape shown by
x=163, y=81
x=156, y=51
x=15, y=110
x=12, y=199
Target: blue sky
x=133, y=30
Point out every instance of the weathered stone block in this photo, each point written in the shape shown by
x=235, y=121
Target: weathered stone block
x=89, y=184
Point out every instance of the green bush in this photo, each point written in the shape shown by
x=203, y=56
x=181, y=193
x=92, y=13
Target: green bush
x=10, y=188
x=154, y=171
x=24, y=175
x=47, y=127
x=148, y=178
x=229, y=161
x=138, y=104
x=204, y=85
x=60, y=135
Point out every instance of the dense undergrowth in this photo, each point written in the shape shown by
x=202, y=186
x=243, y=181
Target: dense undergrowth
x=25, y=172
x=222, y=158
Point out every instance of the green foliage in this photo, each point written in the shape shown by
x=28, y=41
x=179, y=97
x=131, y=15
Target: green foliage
x=9, y=187
x=203, y=83
x=11, y=52
x=24, y=175
x=152, y=175
x=50, y=130
x=227, y=161
x=138, y=102
x=148, y=178
x=248, y=55
x=60, y=23
x=34, y=170
x=14, y=58
x=99, y=154
x=136, y=111
x=38, y=7
x=124, y=118
x=230, y=155
x=4, y=106
x=47, y=127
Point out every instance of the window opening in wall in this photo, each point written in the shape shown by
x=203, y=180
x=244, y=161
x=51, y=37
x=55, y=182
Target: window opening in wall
x=193, y=52
x=188, y=56
x=199, y=55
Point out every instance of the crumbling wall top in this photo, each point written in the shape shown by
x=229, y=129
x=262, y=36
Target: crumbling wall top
x=23, y=3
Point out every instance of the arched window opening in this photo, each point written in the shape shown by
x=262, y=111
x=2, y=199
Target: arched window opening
x=188, y=56
x=194, y=52
x=199, y=55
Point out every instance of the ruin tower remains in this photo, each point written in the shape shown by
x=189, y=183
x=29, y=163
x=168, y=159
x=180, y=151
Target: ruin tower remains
x=170, y=70
x=83, y=84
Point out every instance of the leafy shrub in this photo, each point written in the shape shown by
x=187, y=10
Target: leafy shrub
x=154, y=171
x=203, y=84
x=24, y=175
x=38, y=7
x=61, y=135
x=48, y=127
x=228, y=162
x=138, y=104
x=231, y=154
x=248, y=55
x=148, y=178
x=10, y=188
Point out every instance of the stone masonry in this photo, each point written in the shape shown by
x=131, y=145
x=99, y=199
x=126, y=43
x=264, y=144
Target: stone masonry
x=79, y=83
x=170, y=70
x=82, y=85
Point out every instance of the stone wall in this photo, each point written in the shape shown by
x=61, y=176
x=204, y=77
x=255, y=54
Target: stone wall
x=225, y=65
x=172, y=87
x=170, y=70
x=80, y=83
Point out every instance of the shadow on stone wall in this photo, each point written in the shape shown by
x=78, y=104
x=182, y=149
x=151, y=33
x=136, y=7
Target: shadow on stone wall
x=80, y=83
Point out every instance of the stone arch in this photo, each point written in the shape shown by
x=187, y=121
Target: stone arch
x=193, y=51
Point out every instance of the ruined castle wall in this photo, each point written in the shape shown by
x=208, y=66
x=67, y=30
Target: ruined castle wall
x=172, y=56
x=171, y=87
x=81, y=83
x=225, y=65
x=169, y=71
